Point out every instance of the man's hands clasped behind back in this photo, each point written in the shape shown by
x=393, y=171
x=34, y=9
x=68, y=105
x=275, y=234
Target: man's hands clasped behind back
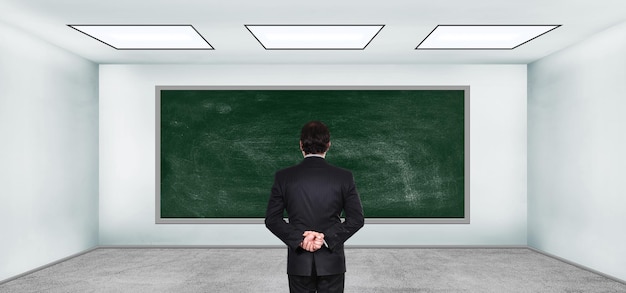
x=312, y=241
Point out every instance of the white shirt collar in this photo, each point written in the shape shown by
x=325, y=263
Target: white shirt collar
x=314, y=155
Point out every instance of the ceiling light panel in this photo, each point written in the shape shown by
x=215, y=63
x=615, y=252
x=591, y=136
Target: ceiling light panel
x=314, y=37
x=146, y=37
x=482, y=37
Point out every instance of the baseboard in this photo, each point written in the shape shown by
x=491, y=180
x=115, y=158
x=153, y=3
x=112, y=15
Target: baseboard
x=283, y=246
x=48, y=265
x=436, y=246
x=577, y=265
x=190, y=246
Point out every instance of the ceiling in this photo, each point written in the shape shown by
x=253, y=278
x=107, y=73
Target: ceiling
x=221, y=23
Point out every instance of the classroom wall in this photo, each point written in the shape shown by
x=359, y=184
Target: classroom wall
x=48, y=153
x=127, y=151
x=577, y=153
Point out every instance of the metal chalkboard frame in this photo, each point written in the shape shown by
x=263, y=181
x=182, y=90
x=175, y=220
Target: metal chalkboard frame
x=464, y=220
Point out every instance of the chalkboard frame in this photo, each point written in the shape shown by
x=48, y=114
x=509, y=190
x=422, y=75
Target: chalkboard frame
x=464, y=220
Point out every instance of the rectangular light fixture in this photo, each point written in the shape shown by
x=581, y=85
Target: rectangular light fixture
x=146, y=37
x=314, y=37
x=482, y=37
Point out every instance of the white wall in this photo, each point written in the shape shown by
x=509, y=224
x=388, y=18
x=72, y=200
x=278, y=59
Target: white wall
x=127, y=151
x=577, y=153
x=48, y=153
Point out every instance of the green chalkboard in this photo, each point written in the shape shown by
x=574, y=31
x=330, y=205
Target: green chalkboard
x=218, y=149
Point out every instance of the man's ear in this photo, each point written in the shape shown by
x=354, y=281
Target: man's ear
x=301, y=146
x=328, y=146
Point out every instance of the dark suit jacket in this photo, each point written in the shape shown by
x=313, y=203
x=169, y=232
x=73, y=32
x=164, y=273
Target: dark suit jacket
x=314, y=193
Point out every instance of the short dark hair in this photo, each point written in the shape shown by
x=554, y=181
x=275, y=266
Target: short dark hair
x=314, y=137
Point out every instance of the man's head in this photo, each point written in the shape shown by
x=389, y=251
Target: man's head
x=314, y=138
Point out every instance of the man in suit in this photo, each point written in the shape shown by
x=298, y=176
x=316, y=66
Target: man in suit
x=314, y=193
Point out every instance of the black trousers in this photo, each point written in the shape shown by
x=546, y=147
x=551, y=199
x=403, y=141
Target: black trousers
x=315, y=283
x=320, y=284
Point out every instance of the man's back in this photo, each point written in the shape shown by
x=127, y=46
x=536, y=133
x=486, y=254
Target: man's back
x=314, y=193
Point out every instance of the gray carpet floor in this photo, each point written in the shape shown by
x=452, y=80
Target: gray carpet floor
x=264, y=270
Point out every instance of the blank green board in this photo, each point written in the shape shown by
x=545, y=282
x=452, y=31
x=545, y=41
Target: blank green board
x=219, y=149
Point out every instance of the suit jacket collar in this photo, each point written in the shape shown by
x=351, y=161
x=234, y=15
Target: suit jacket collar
x=314, y=161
